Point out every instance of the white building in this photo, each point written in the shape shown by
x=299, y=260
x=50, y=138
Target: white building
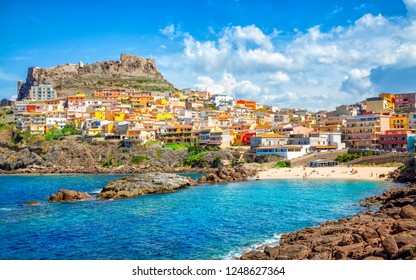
x=287, y=151
x=222, y=100
x=42, y=92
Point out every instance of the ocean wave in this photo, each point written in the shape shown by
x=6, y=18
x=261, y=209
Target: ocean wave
x=6, y=209
x=271, y=242
x=96, y=191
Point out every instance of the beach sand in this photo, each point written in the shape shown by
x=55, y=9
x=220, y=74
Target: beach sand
x=339, y=172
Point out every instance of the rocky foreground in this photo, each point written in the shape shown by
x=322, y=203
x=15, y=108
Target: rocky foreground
x=150, y=183
x=389, y=233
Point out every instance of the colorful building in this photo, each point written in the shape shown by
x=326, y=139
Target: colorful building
x=242, y=138
x=378, y=105
x=399, y=121
x=399, y=140
x=249, y=104
x=405, y=102
x=363, y=131
x=178, y=134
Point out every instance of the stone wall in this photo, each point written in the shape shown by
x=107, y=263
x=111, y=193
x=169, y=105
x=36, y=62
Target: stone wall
x=383, y=159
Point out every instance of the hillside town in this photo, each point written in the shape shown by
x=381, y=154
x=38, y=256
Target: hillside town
x=384, y=123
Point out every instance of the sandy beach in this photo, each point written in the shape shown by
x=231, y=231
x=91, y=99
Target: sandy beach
x=339, y=172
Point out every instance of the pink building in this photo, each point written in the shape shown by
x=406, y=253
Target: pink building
x=405, y=102
x=399, y=140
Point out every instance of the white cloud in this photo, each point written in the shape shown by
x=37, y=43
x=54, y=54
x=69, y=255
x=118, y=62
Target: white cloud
x=410, y=6
x=279, y=77
x=358, y=84
x=169, y=30
x=301, y=68
x=229, y=85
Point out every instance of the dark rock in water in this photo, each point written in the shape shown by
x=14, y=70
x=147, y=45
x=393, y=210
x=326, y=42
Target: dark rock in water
x=68, y=196
x=150, y=183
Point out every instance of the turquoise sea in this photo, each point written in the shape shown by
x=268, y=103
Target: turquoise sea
x=205, y=222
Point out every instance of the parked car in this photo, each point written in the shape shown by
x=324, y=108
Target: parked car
x=393, y=150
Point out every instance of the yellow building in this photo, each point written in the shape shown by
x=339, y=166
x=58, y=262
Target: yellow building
x=178, y=134
x=164, y=116
x=99, y=115
x=399, y=122
x=309, y=123
x=119, y=116
x=379, y=104
x=92, y=131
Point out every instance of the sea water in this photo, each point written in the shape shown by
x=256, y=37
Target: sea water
x=205, y=222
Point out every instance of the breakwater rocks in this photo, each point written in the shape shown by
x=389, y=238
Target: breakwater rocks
x=225, y=174
x=389, y=233
x=150, y=183
x=68, y=196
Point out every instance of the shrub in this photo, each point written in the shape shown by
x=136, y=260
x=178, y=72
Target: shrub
x=195, y=160
x=139, y=159
x=69, y=129
x=108, y=162
x=53, y=134
x=281, y=164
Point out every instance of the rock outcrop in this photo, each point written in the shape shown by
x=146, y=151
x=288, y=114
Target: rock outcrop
x=140, y=184
x=389, y=233
x=227, y=174
x=68, y=196
x=21, y=159
x=130, y=71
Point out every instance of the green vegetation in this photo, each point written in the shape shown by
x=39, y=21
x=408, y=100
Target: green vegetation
x=176, y=147
x=54, y=133
x=109, y=162
x=139, y=159
x=4, y=124
x=281, y=164
x=19, y=136
x=348, y=157
x=196, y=157
x=69, y=129
x=195, y=160
x=159, y=153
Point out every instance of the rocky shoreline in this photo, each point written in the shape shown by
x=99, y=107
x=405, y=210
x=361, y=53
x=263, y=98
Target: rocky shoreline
x=150, y=183
x=124, y=169
x=387, y=234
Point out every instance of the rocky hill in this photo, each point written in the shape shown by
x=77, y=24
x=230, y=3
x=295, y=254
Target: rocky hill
x=130, y=71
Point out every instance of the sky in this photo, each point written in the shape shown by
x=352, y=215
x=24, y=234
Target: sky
x=305, y=54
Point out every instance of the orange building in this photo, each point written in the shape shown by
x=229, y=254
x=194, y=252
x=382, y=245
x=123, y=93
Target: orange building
x=110, y=94
x=249, y=104
x=76, y=100
x=141, y=100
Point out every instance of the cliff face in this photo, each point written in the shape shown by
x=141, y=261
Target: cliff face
x=130, y=71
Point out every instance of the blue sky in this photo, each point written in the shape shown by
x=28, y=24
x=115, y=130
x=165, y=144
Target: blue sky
x=308, y=54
